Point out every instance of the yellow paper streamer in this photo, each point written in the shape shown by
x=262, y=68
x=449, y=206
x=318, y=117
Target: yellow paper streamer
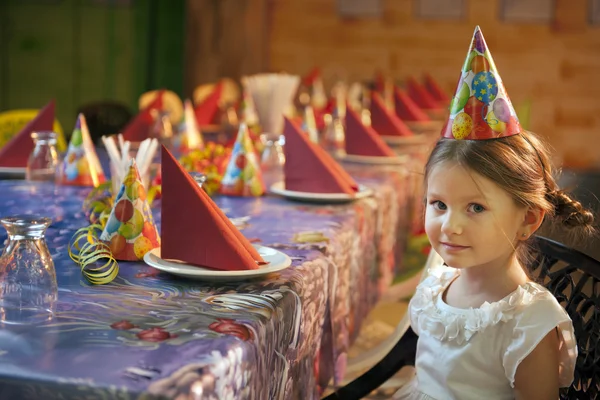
x=88, y=251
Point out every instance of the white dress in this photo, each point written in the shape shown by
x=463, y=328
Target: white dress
x=474, y=353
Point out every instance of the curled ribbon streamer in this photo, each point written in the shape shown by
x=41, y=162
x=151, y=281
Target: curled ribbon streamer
x=87, y=250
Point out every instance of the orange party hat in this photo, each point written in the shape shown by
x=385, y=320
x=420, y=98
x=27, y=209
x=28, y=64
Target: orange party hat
x=81, y=166
x=130, y=230
x=243, y=176
x=190, y=138
x=480, y=109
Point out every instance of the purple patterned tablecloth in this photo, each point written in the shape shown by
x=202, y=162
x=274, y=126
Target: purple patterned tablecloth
x=152, y=335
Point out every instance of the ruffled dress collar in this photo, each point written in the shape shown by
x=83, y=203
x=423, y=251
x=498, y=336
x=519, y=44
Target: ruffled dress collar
x=446, y=323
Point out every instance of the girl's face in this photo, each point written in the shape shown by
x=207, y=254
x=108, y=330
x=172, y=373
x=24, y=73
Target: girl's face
x=470, y=221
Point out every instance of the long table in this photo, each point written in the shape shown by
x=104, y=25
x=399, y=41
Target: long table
x=151, y=335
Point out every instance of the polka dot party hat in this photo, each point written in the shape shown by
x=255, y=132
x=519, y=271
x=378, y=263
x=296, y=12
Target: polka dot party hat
x=130, y=231
x=481, y=108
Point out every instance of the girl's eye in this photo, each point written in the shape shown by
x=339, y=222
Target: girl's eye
x=476, y=208
x=438, y=205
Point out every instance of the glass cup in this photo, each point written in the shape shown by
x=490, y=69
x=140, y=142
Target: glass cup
x=28, y=288
x=43, y=161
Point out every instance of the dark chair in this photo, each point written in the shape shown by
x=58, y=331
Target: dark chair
x=573, y=278
x=105, y=118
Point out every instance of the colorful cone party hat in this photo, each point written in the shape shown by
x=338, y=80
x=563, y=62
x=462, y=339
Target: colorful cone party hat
x=81, y=166
x=190, y=138
x=16, y=152
x=308, y=168
x=384, y=121
x=138, y=129
x=243, y=176
x=204, y=236
x=363, y=140
x=480, y=109
x=130, y=230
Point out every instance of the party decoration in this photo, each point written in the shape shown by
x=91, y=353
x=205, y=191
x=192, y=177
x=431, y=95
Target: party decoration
x=88, y=251
x=140, y=126
x=243, y=176
x=204, y=236
x=480, y=108
x=212, y=161
x=130, y=231
x=208, y=110
x=81, y=166
x=190, y=138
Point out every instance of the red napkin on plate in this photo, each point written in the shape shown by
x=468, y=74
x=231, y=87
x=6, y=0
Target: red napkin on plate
x=435, y=90
x=16, y=152
x=138, y=129
x=384, y=121
x=363, y=140
x=308, y=168
x=420, y=95
x=407, y=109
x=206, y=112
x=194, y=229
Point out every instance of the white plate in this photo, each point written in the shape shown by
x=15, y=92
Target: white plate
x=279, y=188
x=354, y=158
x=407, y=140
x=12, y=173
x=275, y=258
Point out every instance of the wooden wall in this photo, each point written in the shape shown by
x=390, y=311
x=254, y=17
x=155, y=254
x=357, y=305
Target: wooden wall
x=557, y=67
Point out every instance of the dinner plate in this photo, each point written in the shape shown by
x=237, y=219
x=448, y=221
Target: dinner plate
x=279, y=189
x=373, y=160
x=275, y=258
x=12, y=173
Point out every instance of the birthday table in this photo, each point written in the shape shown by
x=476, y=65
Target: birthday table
x=151, y=335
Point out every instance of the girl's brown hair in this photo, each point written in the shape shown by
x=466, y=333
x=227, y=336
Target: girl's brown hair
x=520, y=165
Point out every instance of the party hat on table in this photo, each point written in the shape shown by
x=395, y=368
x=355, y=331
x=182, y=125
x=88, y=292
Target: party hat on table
x=243, y=176
x=81, y=166
x=481, y=108
x=171, y=103
x=138, y=129
x=406, y=109
x=248, y=110
x=309, y=124
x=16, y=152
x=363, y=140
x=194, y=229
x=130, y=231
x=207, y=110
x=420, y=95
x=308, y=168
x=190, y=138
x=318, y=97
x=435, y=90
x=384, y=121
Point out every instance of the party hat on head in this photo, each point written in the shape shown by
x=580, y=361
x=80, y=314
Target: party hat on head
x=81, y=166
x=130, y=230
x=243, y=176
x=480, y=109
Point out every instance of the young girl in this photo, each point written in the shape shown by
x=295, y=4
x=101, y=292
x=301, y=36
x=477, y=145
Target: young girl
x=486, y=331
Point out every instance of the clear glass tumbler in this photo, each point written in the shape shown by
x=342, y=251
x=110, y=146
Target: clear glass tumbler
x=28, y=288
x=44, y=160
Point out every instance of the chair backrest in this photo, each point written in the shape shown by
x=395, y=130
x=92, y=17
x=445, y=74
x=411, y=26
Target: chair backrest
x=105, y=118
x=574, y=279
x=12, y=121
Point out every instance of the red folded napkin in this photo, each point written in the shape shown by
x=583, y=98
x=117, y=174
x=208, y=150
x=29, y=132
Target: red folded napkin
x=308, y=168
x=194, y=229
x=420, y=95
x=363, y=140
x=206, y=112
x=16, y=152
x=384, y=121
x=138, y=129
x=312, y=76
x=408, y=110
x=435, y=90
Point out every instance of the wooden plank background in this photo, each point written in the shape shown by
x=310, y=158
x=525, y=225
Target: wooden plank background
x=557, y=66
